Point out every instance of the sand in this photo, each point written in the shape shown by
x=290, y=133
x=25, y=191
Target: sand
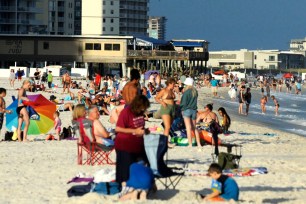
x=38, y=171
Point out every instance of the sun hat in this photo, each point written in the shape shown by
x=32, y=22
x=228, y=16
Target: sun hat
x=188, y=81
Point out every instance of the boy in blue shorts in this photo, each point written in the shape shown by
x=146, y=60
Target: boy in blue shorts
x=224, y=188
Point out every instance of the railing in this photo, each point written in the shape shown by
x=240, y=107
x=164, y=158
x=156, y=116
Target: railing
x=7, y=8
x=152, y=54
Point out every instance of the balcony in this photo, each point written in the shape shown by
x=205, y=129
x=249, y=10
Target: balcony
x=8, y=9
x=30, y=10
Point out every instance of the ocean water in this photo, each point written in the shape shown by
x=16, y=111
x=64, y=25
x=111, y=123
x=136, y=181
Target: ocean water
x=292, y=111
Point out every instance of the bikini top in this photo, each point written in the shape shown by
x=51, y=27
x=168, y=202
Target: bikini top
x=168, y=97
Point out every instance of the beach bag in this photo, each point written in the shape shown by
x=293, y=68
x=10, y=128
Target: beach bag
x=8, y=136
x=66, y=132
x=227, y=160
x=79, y=190
x=106, y=188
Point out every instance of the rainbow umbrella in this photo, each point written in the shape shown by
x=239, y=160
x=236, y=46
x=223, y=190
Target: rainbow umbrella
x=38, y=125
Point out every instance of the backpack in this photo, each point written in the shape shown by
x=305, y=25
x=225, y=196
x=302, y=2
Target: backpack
x=66, y=133
x=228, y=161
x=8, y=136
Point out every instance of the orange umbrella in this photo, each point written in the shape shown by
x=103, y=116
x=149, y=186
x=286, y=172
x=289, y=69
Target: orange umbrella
x=287, y=75
x=219, y=72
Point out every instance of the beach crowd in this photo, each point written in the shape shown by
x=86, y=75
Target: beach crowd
x=127, y=102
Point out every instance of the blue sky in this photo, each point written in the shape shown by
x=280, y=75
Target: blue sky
x=234, y=24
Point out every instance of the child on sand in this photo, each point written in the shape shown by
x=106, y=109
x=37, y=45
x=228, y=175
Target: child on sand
x=57, y=124
x=2, y=107
x=263, y=102
x=224, y=188
x=276, y=105
x=141, y=180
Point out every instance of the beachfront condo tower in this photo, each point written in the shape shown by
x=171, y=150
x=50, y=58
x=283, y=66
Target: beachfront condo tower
x=114, y=17
x=157, y=27
x=22, y=17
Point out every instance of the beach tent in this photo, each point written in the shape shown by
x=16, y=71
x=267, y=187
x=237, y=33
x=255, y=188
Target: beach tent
x=287, y=75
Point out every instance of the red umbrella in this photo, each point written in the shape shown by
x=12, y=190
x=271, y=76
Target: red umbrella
x=219, y=72
x=287, y=75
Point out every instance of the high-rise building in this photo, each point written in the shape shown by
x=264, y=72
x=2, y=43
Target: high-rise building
x=157, y=27
x=114, y=17
x=74, y=17
x=61, y=17
x=22, y=17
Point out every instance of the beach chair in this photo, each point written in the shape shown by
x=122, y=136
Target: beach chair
x=89, y=152
x=156, y=147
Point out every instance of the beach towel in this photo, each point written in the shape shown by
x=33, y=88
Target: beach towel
x=246, y=171
x=79, y=180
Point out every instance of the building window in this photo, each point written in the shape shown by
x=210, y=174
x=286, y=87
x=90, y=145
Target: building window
x=271, y=58
x=112, y=11
x=103, y=28
x=104, y=2
x=97, y=46
x=111, y=3
x=108, y=46
x=112, y=29
x=46, y=45
x=255, y=57
x=88, y=46
x=103, y=20
x=112, y=20
x=116, y=47
x=103, y=11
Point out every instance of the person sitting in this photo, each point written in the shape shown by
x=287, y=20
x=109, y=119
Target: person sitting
x=61, y=106
x=207, y=116
x=226, y=120
x=224, y=188
x=115, y=109
x=100, y=133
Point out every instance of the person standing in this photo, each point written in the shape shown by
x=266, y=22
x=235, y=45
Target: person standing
x=12, y=77
x=276, y=104
x=214, y=86
x=19, y=74
x=50, y=79
x=167, y=110
x=129, y=143
x=37, y=76
x=131, y=90
x=189, y=109
x=241, y=100
x=248, y=99
x=23, y=115
x=66, y=82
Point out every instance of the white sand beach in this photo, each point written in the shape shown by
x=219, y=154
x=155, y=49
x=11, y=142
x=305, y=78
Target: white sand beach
x=38, y=171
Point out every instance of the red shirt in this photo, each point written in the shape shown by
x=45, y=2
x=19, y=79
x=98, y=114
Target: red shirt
x=129, y=142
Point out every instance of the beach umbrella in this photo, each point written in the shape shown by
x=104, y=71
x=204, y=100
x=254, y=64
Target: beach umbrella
x=41, y=117
x=219, y=72
x=287, y=75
